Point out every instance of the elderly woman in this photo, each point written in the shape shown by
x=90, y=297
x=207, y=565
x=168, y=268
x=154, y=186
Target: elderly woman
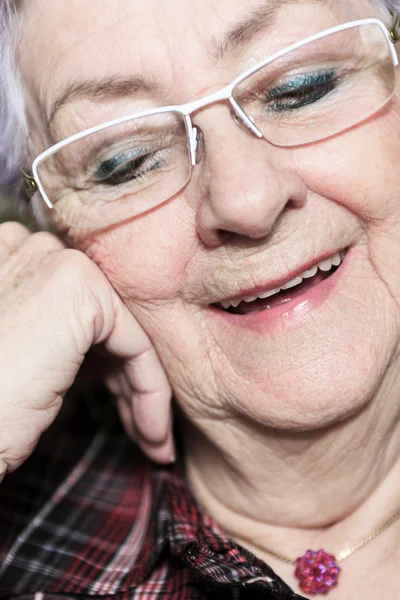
x=221, y=180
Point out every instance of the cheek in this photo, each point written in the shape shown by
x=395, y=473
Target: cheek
x=359, y=169
x=147, y=259
x=147, y=263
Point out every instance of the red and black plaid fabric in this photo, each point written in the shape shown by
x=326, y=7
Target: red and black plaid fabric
x=87, y=516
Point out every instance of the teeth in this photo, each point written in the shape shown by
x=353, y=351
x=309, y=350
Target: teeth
x=236, y=302
x=225, y=304
x=324, y=265
x=250, y=298
x=264, y=295
x=292, y=283
x=310, y=273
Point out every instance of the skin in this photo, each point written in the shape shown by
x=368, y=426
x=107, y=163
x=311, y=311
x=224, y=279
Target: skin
x=301, y=416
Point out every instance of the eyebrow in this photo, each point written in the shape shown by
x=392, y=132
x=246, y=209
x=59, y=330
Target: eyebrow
x=100, y=89
x=116, y=87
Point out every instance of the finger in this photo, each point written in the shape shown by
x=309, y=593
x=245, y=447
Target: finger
x=146, y=420
x=122, y=392
x=125, y=414
x=120, y=387
x=151, y=392
x=12, y=237
x=151, y=396
x=151, y=409
x=163, y=453
x=126, y=388
x=157, y=453
x=112, y=382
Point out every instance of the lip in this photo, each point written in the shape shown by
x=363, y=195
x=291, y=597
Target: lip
x=279, y=282
x=292, y=313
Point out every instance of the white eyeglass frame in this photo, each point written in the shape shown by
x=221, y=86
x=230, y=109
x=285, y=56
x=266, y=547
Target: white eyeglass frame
x=185, y=110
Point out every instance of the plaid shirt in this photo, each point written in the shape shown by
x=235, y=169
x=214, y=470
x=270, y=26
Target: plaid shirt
x=88, y=516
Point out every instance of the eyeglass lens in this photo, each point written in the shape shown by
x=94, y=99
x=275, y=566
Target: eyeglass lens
x=322, y=88
x=309, y=94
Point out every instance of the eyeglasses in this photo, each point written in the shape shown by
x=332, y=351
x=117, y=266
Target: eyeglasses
x=311, y=90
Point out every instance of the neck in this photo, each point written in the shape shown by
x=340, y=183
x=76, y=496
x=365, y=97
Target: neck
x=289, y=491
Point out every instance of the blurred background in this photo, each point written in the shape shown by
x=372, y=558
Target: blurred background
x=7, y=208
x=10, y=212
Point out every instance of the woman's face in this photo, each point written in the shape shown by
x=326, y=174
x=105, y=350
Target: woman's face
x=252, y=217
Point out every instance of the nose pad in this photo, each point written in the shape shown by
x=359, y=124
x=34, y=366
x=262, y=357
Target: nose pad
x=242, y=123
x=198, y=145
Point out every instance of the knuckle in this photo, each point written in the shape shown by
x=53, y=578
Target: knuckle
x=11, y=232
x=10, y=228
x=44, y=241
x=85, y=283
x=78, y=259
x=67, y=270
x=74, y=266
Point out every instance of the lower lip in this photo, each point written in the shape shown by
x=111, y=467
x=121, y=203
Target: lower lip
x=291, y=313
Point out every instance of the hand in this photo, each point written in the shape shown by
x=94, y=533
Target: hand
x=55, y=304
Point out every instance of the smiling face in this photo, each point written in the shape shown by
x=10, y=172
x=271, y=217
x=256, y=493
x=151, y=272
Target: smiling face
x=253, y=217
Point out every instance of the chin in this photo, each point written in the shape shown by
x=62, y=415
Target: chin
x=322, y=380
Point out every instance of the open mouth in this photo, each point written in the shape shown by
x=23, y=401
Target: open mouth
x=269, y=299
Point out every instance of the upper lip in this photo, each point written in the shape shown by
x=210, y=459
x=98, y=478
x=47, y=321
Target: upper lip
x=277, y=282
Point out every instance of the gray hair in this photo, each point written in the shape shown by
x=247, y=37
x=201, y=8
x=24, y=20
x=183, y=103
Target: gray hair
x=13, y=127
x=12, y=113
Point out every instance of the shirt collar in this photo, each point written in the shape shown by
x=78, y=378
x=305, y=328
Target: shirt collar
x=103, y=529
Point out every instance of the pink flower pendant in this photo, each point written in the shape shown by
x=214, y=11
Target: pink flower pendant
x=317, y=572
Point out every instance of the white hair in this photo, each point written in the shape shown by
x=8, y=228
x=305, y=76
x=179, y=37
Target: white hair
x=13, y=127
x=12, y=113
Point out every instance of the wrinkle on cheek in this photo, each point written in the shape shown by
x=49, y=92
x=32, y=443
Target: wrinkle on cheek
x=138, y=271
x=384, y=257
x=215, y=359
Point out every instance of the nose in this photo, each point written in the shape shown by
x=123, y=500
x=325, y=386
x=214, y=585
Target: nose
x=243, y=186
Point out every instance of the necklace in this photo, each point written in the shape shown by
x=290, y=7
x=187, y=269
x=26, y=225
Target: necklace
x=317, y=571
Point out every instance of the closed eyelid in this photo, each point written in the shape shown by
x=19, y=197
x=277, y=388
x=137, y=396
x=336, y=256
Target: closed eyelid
x=109, y=165
x=301, y=80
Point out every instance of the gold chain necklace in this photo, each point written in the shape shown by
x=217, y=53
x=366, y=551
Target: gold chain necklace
x=317, y=571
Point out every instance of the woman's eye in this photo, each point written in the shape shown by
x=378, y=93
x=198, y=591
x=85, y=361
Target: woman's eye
x=301, y=91
x=119, y=170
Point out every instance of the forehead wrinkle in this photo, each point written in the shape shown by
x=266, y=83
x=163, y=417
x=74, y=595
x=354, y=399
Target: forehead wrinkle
x=241, y=33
